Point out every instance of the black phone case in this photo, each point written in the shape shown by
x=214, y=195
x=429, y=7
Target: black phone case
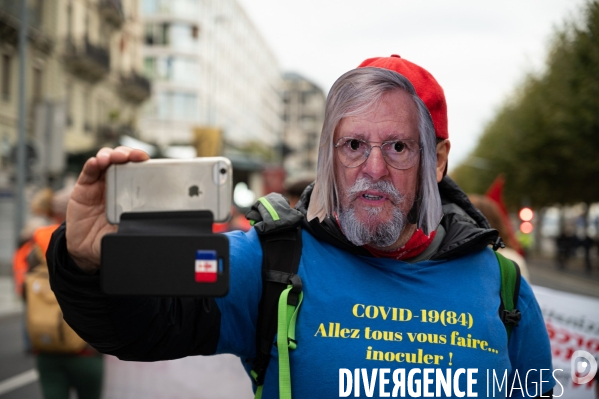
x=155, y=253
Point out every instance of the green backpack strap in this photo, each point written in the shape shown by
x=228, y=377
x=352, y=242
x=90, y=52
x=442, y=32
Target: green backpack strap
x=287, y=315
x=279, y=230
x=510, y=290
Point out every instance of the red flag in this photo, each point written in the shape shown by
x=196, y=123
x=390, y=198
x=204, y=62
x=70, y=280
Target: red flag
x=495, y=193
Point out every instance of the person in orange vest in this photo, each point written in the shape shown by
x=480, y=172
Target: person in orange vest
x=19, y=261
x=41, y=208
x=58, y=373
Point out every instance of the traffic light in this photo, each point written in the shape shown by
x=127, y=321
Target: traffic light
x=526, y=215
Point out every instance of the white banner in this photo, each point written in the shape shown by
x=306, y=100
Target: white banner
x=573, y=325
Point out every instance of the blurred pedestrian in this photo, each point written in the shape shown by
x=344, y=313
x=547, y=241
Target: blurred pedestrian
x=587, y=244
x=565, y=244
x=294, y=190
x=81, y=368
x=41, y=211
x=493, y=214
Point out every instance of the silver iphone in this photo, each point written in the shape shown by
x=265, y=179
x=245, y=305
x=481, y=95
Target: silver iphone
x=170, y=185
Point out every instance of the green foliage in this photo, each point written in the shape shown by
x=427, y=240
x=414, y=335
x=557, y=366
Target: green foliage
x=545, y=139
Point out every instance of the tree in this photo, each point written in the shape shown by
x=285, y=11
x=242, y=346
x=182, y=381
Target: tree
x=545, y=138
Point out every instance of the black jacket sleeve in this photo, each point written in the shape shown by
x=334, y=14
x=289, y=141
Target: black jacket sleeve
x=131, y=328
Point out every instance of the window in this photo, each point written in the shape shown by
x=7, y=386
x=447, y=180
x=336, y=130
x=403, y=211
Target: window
x=305, y=97
x=86, y=24
x=176, y=106
x=173, y=69
x=87, y=126
x=102, y=114
x=177, y=35
x=150, y=67
x=69, y=103
x=69, y=20
x=162, y=34
x=149, y=34
x=157, y=34
x=37, y=83
x=6, y=77
x=150, y=6
x=185, y=8
x=39, y=10
x=182, y=38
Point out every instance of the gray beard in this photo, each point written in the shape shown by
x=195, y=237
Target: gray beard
x=380, y=234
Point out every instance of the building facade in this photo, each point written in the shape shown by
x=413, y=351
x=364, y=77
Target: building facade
x=303, y=116
x=210, y=69
x=84, y=81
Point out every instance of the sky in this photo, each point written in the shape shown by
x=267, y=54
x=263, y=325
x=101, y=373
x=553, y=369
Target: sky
x=479, y=51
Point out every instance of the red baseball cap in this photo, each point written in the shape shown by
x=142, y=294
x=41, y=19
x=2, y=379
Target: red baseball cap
x=427, y=87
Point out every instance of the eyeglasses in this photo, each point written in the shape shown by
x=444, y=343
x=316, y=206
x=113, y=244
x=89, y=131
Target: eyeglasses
x=399, y=154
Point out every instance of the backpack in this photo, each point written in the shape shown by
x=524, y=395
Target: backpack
x=279, y=230
x=47, y=330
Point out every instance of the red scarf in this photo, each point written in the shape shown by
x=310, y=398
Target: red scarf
x=414, y=247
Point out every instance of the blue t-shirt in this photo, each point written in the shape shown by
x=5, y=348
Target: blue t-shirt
x=428, y=329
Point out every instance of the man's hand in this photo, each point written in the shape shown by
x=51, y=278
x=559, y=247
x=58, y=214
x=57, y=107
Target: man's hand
x=86, y=217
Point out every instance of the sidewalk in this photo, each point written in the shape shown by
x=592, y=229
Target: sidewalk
x=9, y=302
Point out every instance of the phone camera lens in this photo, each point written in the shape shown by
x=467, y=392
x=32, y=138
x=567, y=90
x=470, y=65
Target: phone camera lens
x=223, y=171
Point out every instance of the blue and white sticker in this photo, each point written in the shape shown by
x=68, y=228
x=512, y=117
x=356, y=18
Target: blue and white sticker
x=206, y=269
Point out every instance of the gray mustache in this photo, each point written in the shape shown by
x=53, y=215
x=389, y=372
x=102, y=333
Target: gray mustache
x=383, y=186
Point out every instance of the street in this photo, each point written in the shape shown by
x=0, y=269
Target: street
x=574, y=279
x=14, y=361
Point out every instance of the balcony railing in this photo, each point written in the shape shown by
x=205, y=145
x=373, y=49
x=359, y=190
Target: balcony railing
x=86, y=60
x=10, y=21
x=112, y=12
x=135, y=88
x=13, y=8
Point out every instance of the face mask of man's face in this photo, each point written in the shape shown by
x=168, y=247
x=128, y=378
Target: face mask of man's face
x=373, y=230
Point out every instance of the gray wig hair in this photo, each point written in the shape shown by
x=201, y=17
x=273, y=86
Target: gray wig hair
x=355, y=93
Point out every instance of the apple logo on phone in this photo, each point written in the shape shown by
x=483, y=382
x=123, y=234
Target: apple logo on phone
x=194, y=191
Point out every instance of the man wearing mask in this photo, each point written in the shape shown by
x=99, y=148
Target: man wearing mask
x=398, y=277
